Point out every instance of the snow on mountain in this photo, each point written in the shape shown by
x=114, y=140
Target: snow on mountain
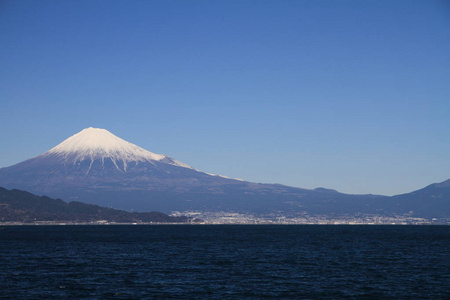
x=99, y=144
x=95, y=166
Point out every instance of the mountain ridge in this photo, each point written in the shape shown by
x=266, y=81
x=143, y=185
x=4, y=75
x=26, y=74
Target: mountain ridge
x=120, y=176
x=24, y=207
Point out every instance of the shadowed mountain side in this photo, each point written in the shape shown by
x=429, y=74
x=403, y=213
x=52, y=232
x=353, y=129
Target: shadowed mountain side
x=155, y=185
x=158, y=186
x=95, y=166
x=264, y=199
x=431, y=201
x=21, y=206
x=45, y=174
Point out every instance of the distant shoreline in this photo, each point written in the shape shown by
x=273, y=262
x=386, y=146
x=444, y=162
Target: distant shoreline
x=204, y=224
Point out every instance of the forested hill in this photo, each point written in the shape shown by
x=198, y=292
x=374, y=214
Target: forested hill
x=21, y=206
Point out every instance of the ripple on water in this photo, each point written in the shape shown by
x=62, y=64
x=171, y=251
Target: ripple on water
x=223, y=262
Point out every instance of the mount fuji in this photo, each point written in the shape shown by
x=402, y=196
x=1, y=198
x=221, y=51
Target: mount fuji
x=97, y=167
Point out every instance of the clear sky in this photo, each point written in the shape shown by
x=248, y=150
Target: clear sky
x=349, y=95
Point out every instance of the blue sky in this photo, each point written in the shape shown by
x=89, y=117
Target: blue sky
x=349, y=95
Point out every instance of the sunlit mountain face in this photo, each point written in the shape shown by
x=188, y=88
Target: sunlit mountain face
x=95, y=166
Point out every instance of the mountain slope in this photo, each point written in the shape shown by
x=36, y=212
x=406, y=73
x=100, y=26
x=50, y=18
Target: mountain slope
x=21, y=206
x=431, y=201
x=93, y=144
x=95, y=166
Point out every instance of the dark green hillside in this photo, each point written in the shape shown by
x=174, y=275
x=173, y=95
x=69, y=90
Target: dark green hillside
x=21, y=206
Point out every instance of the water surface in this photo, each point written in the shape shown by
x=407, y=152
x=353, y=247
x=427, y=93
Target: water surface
x=225, y=262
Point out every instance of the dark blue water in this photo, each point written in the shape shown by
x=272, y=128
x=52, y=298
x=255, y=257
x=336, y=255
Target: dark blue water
x=225, y=262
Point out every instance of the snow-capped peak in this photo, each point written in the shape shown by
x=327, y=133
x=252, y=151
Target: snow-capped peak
x=96, y=143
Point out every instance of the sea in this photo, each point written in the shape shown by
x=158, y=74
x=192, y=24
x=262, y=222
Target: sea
x=225, y=262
